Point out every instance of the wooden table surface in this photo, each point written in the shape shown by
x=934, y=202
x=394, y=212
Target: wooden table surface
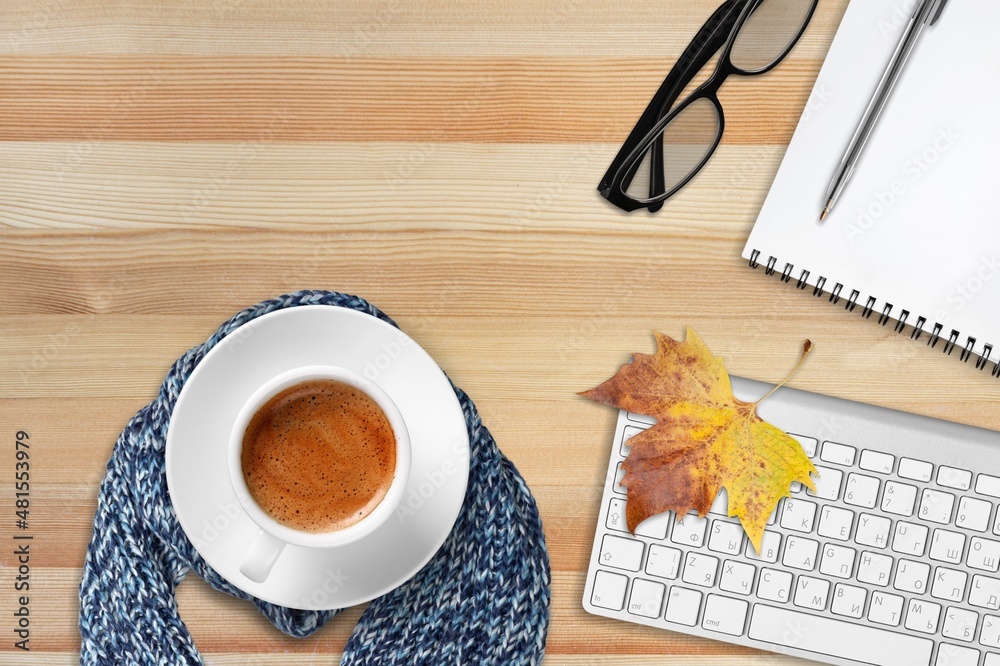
x=165, y=164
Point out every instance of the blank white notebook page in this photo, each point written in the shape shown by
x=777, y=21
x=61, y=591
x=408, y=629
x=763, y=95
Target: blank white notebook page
x=918, y=226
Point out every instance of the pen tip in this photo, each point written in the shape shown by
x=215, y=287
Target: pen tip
x=826, y=211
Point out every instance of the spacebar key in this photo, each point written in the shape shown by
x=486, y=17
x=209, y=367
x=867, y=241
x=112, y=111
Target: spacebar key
x=838, y=639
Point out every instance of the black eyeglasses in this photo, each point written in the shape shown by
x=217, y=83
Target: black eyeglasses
x=754, y=36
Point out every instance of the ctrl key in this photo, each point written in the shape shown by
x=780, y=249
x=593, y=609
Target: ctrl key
x=609, y=590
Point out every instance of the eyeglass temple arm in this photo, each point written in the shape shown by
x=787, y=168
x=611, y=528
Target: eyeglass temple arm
x=710, y=38
x=702, y=48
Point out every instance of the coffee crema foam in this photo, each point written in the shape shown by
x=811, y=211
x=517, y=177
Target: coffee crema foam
x=319, y=456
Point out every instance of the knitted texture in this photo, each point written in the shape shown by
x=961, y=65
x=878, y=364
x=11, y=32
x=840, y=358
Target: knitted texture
x=482, y=599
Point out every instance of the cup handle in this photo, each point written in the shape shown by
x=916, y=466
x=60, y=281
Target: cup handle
x=261, y=556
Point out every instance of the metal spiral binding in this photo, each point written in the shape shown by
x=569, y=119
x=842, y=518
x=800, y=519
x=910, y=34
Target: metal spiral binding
x=951, y=342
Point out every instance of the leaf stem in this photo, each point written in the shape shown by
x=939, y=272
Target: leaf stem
x=806, y=348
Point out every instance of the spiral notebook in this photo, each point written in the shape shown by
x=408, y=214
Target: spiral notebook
x=914, y=243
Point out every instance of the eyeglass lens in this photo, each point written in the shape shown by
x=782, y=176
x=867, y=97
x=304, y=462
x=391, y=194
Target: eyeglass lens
x=689, y=137
x=768, y=33
x=687, y=140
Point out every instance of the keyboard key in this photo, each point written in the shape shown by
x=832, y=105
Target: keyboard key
x=663, y=562
x=992, y=659
x=845, y=640
x=725, y=615
x=800, y=553
x=630, y=432
x=876, y=461
x=619, y=475
x=861, y=490
x=726, y=537
x=973, y=514
x=873, y=531
x=936, y=505
x=640, y=418
x=835, y=523
x=985, y=592
x=947, y=546
x=616, y=516
x=737, y=577
x=700, y=569
x=655, y=527
x=949, y=584
x=899, y=498
x=774, y=585
x=769, y=546
x=988, y=485
x=609, y=590
x=689, y=531
x=954, y=655
x=838, y=561
x=621, y=553
x=952, y=477
x=838, y=454
x=960, y=624
x=849, y=601
x=909, y=539
x=989, y=635
x=808, y=444
x=911, y=576
x=984, y=554
x=811, y=593
x=683, y=606
x=886, y=609
x=798, y=515
x=874, y=568
x=646, y=598
x=828, y=483
x=915, y=470
x=922, y=616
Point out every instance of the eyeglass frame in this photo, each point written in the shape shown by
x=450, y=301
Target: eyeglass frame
x=715, y=35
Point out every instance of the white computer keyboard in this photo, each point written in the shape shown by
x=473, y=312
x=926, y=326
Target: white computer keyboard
x=893, y=561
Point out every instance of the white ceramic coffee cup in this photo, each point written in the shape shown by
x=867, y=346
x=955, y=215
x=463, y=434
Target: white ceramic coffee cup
x=274, y=536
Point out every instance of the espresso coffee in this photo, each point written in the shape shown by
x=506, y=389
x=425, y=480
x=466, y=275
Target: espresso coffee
x=319, y=456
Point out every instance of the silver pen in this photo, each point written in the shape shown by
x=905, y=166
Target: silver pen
x=927, y=12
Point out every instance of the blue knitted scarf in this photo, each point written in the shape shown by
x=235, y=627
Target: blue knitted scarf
x=482, y=599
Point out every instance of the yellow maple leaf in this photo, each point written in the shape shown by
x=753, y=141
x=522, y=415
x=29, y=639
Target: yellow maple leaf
x=704, y=439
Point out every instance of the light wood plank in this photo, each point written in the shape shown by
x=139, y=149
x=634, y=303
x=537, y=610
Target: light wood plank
x=345, y=187
x=357, y=28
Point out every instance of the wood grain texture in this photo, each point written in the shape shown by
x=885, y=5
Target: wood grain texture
x=166, y=164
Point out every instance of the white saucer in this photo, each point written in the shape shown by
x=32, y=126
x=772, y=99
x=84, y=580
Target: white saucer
x=198, y=477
